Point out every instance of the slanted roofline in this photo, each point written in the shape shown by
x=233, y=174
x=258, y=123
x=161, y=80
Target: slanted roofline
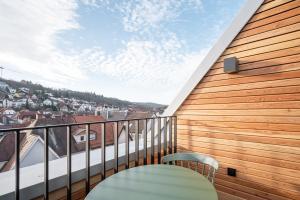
x=243, y=16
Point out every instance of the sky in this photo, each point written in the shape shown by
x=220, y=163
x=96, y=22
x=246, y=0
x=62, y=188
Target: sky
x=137, y=50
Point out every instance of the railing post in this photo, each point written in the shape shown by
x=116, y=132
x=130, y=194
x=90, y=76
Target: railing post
x=17, y=167
x=175, y=134
x=152, y=141
x=127, y=144
x=170, y=135
x=87, y=157
x=116, y=146
x=103, y=145
x=46, y=164
x=159, y=139
x=145, y=142
x=165, y=136
x=137, y=126
x=69, y=164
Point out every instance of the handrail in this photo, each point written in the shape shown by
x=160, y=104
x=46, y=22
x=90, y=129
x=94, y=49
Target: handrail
x=77, y=124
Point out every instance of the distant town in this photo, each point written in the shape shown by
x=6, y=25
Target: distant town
x=24, y=104
x=47, y=101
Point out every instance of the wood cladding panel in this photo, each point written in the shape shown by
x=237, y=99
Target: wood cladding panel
x=275, y=18
x=280, y=93
x=263, y=49
x=294, y=18
x=193, y=120
x=265, y=56
x=251, y=120
x=269, y=5
x=266, y=35
x=241, y=106
x=269, y=193
x=189, y=125
x=203, y=142
x=249, y=99
x=246, y=86
x=276, y=10
x=218, y=73
x=257, y=75
x=264, y=42
x=287, y=146
x=245, y=118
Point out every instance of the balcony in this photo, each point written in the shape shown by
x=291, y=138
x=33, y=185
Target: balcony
x=248, y=120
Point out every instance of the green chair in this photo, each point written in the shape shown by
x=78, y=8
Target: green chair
x=196, y=159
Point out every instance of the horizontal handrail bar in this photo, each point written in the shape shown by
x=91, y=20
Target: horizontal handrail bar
x=77, y=124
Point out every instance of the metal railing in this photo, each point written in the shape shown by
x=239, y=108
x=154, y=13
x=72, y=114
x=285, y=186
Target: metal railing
x=168, y=131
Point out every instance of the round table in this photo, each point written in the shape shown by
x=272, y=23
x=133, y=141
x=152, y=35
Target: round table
x=154, y=182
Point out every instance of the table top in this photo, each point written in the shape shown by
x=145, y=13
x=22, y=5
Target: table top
x=155, y=182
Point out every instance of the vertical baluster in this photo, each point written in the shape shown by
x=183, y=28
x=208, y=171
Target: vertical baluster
x=17, y=167
x=165, y=136
x=152, y=141
x=116, y=146
x=145, y=142
x=87, y=159
x=159, y=140
x=103, y=145
x=137, y=126
x=46, y=164
x=175, y=134
x=203, y=169
x=69, y=164
x=170, y=135
x=213, y=177
x=127, y=144
x=208, y=172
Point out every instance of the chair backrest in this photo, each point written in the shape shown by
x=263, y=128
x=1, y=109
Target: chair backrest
x=197, y=159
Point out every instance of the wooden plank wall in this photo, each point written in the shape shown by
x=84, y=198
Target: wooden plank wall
x=251, y=120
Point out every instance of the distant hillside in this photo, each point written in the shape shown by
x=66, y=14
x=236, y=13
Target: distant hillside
x=86, y=96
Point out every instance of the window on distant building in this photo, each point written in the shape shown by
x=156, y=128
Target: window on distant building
x=82, y=138
x=92, y=136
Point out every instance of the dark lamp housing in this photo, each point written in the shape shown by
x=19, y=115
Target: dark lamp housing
x=231, y=65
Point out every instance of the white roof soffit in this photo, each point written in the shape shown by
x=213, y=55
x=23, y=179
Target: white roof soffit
x=222, y=43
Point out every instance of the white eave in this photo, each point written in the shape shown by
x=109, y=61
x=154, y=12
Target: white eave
x=216, y=51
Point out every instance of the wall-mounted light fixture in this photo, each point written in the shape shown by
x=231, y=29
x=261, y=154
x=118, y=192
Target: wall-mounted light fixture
x=231, y=172
x=231, y=65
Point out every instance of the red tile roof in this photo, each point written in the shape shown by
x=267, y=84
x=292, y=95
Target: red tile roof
x=27, y=113
x=7, y=146
x=25, y=142
x=96, y=128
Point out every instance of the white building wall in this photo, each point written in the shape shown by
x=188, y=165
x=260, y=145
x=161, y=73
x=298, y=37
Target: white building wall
x=36, y=155
x=122, y=137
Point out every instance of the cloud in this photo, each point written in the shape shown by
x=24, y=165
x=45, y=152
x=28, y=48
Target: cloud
x=158, y=64
x=29, y=34
x=144, y=14
x=141, y=15
x=29, y=44
x=155, y=55
x=95, y=3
